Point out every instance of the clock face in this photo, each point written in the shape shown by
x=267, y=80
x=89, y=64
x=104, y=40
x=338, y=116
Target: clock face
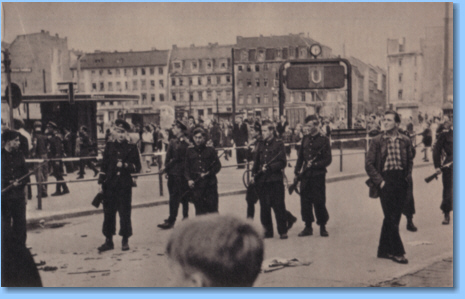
x=315, y=50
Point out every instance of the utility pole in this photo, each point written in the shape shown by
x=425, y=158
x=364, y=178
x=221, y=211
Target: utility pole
x=7, y=65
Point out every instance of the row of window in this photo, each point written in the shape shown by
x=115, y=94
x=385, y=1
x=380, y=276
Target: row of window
x=208, y=65
x=120, y=86
x=128, y=72
x=198, y=81
x=257, y=83
x=255, y=67
x=273, y=53
x=258, y=99
x=200, y=95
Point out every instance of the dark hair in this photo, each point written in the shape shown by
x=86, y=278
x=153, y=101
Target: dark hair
x=396, y=115
x=269, y=124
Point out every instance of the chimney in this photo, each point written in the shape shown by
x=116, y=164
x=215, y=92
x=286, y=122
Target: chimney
x=56, y=35
x=192, y=45
x=154, y=49
x=175, y=47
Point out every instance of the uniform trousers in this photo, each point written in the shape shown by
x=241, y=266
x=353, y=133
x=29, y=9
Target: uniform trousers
x=271, y=196
x=313, y=196
x=42, y=174
x=409, y=207
x=57, y=172
x=205, y=198
x=177, y=186
x=448, y=191
x=117, y=201
x=14, y=219
x=393, y=197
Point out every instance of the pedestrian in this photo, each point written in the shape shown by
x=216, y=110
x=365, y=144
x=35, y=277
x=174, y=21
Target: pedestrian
x=56, y=152
x=444, y=149
x=13, y=200
x=25, y=145
x=68, y=148
x=389, y=163
x=120, y=160
x=286, y=137
x=409, y=208
x=215, y=251
x=314, y=157
x=427, y=140
x=227, y=139
x=215, y=134
x=40, y=144
x=282, y=125
x=240, y=136
x=252, y=193
x=267, y=172
x=147, y=144
x=174, y=168
x=201, y=166
x=85, y=145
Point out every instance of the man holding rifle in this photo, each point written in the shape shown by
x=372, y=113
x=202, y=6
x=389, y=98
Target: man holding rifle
x=267, y=171
x=174, y=167
x=445, y=145
x=201, y=166
x=14, y=178
x=314, y=156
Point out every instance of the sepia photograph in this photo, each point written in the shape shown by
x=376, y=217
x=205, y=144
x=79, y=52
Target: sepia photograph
x=227, y=144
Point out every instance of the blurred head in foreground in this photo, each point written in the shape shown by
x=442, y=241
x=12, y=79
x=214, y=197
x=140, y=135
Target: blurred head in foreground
x=215, y=251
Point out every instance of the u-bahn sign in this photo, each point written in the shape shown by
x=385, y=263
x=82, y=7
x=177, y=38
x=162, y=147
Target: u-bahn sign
x=315, y=77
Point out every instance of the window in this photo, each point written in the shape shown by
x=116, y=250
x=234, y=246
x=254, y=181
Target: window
x=257, y=82
x=102, y=86
x=177, y=65
x=265, y=66
x=257, y=68
x=143, y=84
x=180, y=82
x=94, y=86
x=209, y=95
x=415, y=76
x=110, y=86
x=199, y=81
x=92, y=72
x=152, y=98
x=200, y=112
x=249, y=69
x=265, y=82
x=173, y=82
x=152, y=71
x=303, y=96
x=134, y=84
x=161, y=83
x=249, y=83
x=223, y=65
x=142, y=71
x=257, y=98
x=190, y=81
x=218, y=80
x=399, y=94
x=194, y=65
x=209, y=66
x=400, y=62
x=134, y=72
x=152, y=84
x=265, y=98
x=200, y=96
x=100, y=72
x=181, y=96
x=126, y=85
x=191, y=96
x=240, y=82
x=125, y=72
x=162, y=97
x=239, y=68
x=118, y=72
x=210, y=111
x=173, y=96
x=400, y=77
x=110, y=103
x=160, y=71
x=118, y=86
x=228, y=94
x=241, y=98
x=249, y=99
x=144, y=98
x=209, y=80
x=228, y=79
x=285, y=53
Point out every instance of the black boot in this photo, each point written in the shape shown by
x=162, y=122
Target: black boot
x=446, y=220
x=65, y=189
x=125, y=244
x=410, y=226
x=308, y=231
x=58, y=191
x=323, y=231
x=108, y=245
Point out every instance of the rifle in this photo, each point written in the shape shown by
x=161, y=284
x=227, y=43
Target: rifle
x=7, y=188
x=261, y=172
x=298, y=178
x=201, y=177
x=437, y=173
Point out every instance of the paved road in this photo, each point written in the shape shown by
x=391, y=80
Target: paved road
x=346, y=259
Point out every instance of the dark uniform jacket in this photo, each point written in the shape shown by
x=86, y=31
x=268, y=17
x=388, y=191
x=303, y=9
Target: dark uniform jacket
x=56, y=147
x=115, y=177
x=201, y=159
x=272, y=153
x=314, y=147
x=377, y=154
x=84, y=145
x=445, y=142
x=13, y=167
x=175, y=156
x=40, y=145
x=240, y=134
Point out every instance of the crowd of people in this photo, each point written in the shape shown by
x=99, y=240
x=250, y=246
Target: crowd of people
x=192, y=163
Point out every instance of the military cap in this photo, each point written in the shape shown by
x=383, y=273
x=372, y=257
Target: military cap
x=8, y=135
x=198, y=130
x=37, y=123
x=180, y=124
x=311, y=118
x=52, y=124
x=119, y=123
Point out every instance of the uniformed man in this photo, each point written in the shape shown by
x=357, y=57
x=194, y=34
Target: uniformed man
x=40, y=144
x=84, y=151
x=56, y=151
x=445, y=147
x=13, y=200
x=120, y=160
x=174, y=167
x=252, y=193
x=201, y=166
x=314, y=157
x=267, y=172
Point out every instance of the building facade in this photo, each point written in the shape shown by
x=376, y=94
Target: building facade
x=144, y=73
x=200, y=81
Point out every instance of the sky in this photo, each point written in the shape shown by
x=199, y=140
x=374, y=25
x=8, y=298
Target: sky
x=356, y=29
